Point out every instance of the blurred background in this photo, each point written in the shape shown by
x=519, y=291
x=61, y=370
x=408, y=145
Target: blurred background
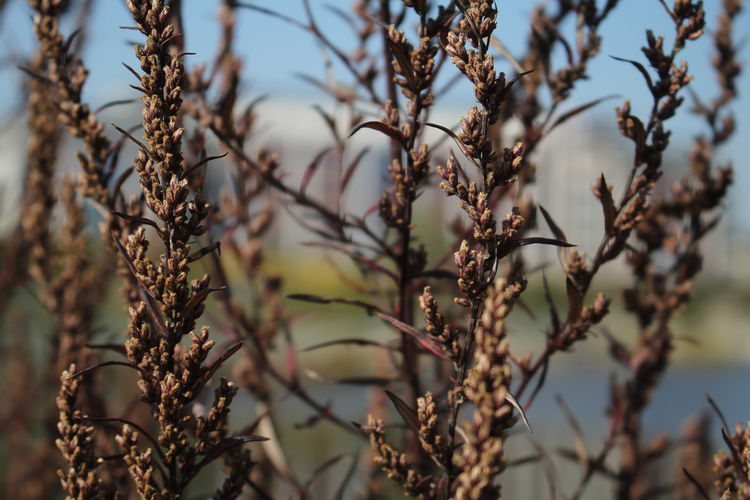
x=712, y=357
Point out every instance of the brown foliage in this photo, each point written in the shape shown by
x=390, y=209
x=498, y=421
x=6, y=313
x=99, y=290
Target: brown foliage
x=164, y=237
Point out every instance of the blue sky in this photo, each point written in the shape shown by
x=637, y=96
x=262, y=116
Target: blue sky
x=275, y=51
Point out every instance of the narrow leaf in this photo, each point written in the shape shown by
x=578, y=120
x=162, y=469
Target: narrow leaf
x=116, y=190
x=530, y=459
x=718, y=411
x=330, y=121
x=199, y=254
x=203, y=162
x=617, y=349
x=113, y=103
x=578, y=110
x=540, y=382
x=640, y=68
x=698, y=485
x=382, y=128
x=101, y=365
x=215, y=366
x=344, y=16
x=506, y=247
x=580, y=445
x=422, y=338
x=250, y=428
x=132, y=71
x=118, y=348
x=356, y=256
x=407, y=413
x=348, y=341
x=310, y=298
x=322, y=468
x=36, y=75
x=550, y=473
x=514, y=403
x=364, y=380
x=315, y=83
x=522, y=242
x=312, y=168
x=139, y=89
x=333, y=300
x=552, y=225
x=140, y=220
x=350, y=169
x=141, y=430
x=347, y=478
x=272, y=13
x=130, y=136
x=453, y=136
x=513, y=80
x=404, y=63
x=608, y=204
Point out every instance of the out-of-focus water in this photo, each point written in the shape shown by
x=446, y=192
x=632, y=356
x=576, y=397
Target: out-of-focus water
x=681, y=395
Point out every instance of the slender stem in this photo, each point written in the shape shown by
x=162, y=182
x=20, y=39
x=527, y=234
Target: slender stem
x=390, y=84
x=463, y=369
x=259, y=355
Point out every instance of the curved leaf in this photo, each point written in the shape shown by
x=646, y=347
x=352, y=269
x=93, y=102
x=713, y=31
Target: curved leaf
x=552, y=225
x=641, y=69
x=407, y=413
x=608, y=205
x=382, y=128
x=422, y=338
x=347, y=341
x=334, y=300
x=102, y=365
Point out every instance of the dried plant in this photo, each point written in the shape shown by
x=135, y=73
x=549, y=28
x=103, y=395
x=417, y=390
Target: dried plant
x=456, y=380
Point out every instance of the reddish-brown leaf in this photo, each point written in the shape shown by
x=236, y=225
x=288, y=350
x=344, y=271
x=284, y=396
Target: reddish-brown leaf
x=383, y=129
x=312, y=168
x=407, y=413
x=608, y=204
x=422, y=338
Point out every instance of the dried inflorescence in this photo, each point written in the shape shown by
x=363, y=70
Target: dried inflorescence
x=497, y=168
x=66, y=71
x=171, y=376
x=440, y=456
x=487, y=386
x=647, y=225
x=396, y=464
x=437, y=325
x=415, y=70
x=477, y=262
x=239, y=465
x=76, y=444
x=54, y=250
x=74, y=292
x=731, y=472
x=39, y=197
x=429, y=434
x=140, y=464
